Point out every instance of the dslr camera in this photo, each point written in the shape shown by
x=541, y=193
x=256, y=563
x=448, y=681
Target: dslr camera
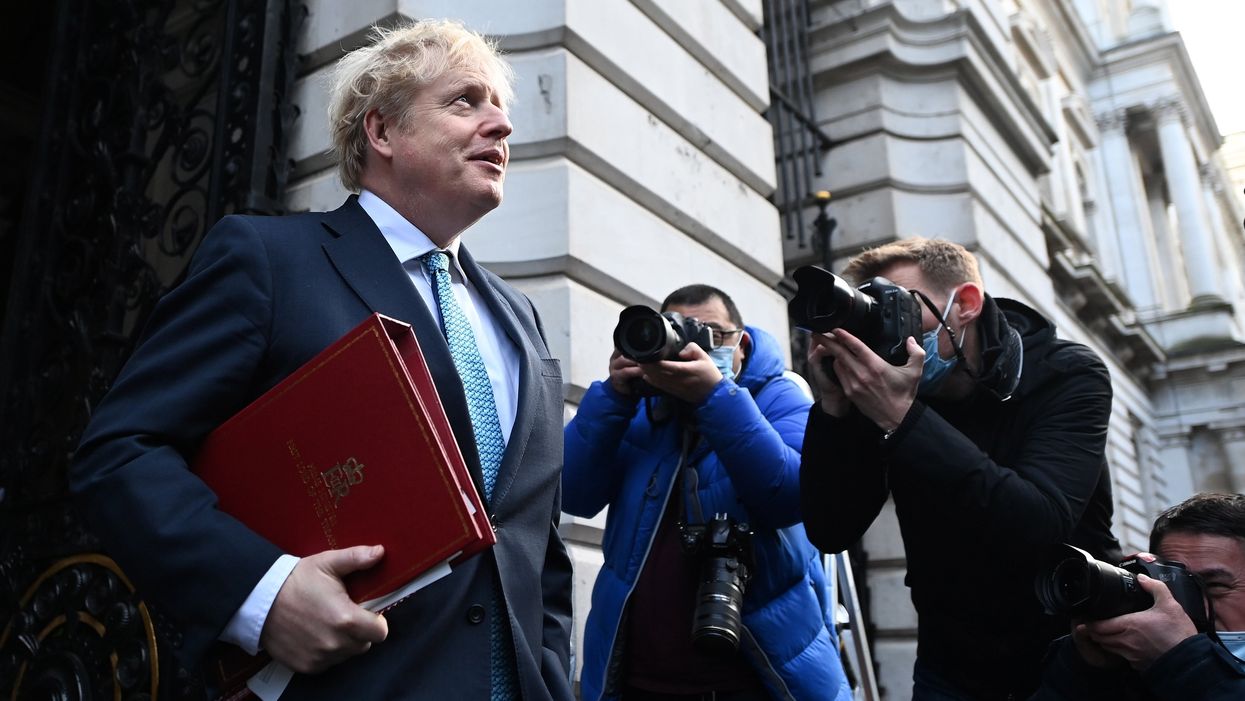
x=880, y=313
x=1079, y=586
x=727, y=561
x=647, y=336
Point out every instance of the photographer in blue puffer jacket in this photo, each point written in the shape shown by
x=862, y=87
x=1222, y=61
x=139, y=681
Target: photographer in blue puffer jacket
x=698, y=460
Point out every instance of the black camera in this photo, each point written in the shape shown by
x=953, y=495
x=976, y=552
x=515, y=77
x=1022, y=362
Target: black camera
x=881, y=314
x=726, y=549
x=647, y=336
x=1079, y=586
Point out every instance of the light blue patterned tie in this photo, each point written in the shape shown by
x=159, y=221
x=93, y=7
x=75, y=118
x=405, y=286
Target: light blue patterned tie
x=490, y=444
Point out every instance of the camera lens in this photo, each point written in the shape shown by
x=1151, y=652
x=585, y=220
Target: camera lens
x=646, y=336
x=642, y=336
x=719, y=601
x=824, y=302
x=1082, y=587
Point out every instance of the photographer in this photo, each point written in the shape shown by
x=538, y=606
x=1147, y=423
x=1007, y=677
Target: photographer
x=990, y=439
x=715, y=433
x=1158, y=653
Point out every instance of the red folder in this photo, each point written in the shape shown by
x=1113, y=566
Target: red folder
x=353, y=448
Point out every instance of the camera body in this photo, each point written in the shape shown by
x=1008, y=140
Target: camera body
x=647, y=336
x=1079, y=586
x=725, y=549
x=880, y=313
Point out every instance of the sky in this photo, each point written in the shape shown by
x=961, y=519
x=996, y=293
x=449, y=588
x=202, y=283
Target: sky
x=1214, y=34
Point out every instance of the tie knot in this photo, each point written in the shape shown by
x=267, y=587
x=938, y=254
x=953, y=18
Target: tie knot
x=436, y=261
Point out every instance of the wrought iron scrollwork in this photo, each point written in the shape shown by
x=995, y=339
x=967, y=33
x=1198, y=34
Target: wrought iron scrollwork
x=160, y=117
x=81, y=629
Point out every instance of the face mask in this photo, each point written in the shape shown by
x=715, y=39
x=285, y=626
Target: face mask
x=935, y=368
x=724, y=358
x=1234, y=641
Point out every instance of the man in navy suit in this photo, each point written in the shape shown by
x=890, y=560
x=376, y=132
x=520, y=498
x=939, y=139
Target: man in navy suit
x=419, y=127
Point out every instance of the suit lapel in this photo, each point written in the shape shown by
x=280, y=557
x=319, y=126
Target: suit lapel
x=366, y=262
x=529, y=402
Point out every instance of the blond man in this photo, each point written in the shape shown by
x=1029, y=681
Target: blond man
x=990, y=440
x=420, y=123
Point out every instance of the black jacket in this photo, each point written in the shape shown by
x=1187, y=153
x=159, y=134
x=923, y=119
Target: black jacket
x=982, y=488
x=1195, y=670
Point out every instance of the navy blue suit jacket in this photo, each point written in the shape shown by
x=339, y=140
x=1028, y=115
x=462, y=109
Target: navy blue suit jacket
x=261, y=297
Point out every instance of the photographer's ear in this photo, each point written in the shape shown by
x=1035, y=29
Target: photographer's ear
x=969, y=300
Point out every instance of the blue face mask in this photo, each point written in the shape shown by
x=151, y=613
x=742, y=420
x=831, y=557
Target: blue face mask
x=936, y=368
x=1235, y=642
x=724, y=358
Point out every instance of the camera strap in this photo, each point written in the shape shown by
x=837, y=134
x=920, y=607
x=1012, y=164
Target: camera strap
x=689, y=479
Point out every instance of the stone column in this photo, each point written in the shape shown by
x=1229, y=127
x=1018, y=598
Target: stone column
x=1128, y=205
x=1233, y=441
x=1183, y=182
x=1230, y=282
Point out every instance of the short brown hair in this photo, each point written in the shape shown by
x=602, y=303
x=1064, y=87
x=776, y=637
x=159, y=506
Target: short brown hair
x=943, y=263
x=386, y=74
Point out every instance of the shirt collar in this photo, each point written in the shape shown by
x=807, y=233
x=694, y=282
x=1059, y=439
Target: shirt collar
x=406, y=240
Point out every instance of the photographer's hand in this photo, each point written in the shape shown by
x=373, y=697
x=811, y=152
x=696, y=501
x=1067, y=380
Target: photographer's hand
x=1143, y=637
x=881, y=391
x=691, y=378
x=623, y=373
x=833, y=401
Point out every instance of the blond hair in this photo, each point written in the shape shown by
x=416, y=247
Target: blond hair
x=942, y=263
x=386, y=74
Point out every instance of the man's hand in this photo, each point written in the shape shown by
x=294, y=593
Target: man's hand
x=833, y=401
x=1142, y=637
x=313, y=624
x=691, y=378
x=881, y=391
x=623, y=373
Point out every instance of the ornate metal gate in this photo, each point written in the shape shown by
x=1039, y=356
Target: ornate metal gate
x=160, y=116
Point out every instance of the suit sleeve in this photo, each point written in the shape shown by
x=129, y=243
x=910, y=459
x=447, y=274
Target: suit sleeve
x=594, y=468
x=556, y=586
x=759, y=447
x=195, y=367
x=843, y=481
x=1038, y=499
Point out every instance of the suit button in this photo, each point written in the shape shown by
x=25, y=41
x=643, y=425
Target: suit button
x=475, y=614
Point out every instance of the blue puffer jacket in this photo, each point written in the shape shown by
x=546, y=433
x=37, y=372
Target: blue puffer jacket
x=748, y=466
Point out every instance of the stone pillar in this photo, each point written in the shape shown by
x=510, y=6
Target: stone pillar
x=1171, y=285
x=1183, y=182
x=1230, y=282
x=1233, y=442
x=1128, y=205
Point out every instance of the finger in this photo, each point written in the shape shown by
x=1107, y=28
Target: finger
x=367, y=627
x=916, y=354
x=856, y=347
x=1157, y=589
x=820, y=339
x=347, y=560
x=1146, y=557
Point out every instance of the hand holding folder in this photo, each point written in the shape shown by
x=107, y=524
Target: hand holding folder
x=353, y=448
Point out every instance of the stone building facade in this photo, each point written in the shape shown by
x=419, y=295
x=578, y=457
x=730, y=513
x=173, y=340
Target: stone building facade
x=1066, y=142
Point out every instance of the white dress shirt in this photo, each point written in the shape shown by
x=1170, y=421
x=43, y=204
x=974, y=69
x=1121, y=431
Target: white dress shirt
x=501, y=360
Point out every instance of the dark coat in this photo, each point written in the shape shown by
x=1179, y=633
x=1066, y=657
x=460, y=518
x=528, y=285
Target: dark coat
x=262, y=296
x=1195, y=670
x=982, y=487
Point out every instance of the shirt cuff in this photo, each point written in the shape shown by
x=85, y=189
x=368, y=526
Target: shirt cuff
x=244, y=628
